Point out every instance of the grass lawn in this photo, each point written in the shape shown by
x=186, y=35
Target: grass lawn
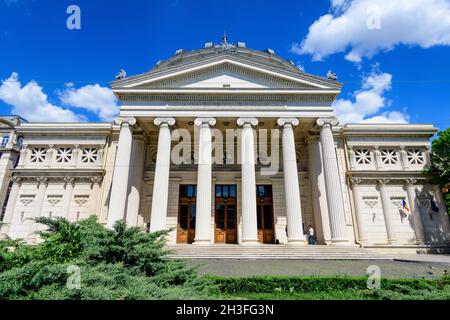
x=330, y=288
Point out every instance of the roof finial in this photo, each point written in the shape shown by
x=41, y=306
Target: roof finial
x=225, y=38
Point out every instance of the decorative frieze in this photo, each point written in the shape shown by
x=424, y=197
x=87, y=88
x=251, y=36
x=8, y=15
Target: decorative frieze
x=26, y=199
x=81, y=200
x=371, y=202
x=53, y=200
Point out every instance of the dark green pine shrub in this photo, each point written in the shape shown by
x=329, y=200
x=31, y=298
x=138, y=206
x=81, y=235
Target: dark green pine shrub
x=122, y=263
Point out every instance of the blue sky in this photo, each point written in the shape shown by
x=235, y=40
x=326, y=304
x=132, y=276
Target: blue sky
x=397, y=71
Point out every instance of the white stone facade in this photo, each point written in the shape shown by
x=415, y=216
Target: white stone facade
x=348, y=182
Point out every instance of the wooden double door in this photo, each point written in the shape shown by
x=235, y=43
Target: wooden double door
x=187, y=214
x=225, y=217
x=264, y=214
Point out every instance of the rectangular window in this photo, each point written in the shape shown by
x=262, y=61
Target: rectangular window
x=4, y=142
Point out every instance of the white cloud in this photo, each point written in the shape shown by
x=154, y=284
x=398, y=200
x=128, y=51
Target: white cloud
x=97, y=99
x=368, y=102
x=32, y=103
x=352, y=27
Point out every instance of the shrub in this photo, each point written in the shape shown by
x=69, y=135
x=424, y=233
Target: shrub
x=122, y=263
x=267, y=284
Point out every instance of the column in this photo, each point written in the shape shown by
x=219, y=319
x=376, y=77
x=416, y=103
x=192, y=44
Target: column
x=291, y=186
x=119, y=188
x=96, y=181
x=377, y=154
x=161, y=180
x=404, y=157
x=136, y=177
x=12, y=199
x=318, y=190
x=387, y=211
x=352, y=157
x=69, y=183
x=415, y=213
x=332, y=182
x=49, y=156
x=76, y=155
x=204, y=182
x=248, y=184
x=445, y=222
x=23, y=154
x=355, y=182
x=40, y=197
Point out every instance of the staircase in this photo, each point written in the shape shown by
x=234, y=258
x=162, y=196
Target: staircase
x=275, y=252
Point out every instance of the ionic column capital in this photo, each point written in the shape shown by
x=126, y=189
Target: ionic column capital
x=326, y=122
x=354, y=181
x=410, y=182
x=16, y=179
x=69, y=180
x=128, y=121
x=96, y=179
x=205, y=121
x=247, y=121
x=164, y=121
x=382, y=182
x=42, y=180
x=288, y=121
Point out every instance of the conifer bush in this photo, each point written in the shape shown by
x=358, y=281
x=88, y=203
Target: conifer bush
x=122, y=263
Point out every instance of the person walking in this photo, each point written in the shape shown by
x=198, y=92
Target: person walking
x=311, y=239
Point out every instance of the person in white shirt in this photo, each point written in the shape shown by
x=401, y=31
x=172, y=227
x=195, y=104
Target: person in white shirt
x=311, y=239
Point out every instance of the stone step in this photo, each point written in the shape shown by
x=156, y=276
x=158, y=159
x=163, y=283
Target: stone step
x=275, y=252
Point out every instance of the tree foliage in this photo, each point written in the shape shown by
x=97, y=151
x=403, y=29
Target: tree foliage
x=439, y=171
x=122, y=263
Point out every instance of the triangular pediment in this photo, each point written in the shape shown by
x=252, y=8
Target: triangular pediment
x=226, y=75
x=5, y=124
x=229, y=72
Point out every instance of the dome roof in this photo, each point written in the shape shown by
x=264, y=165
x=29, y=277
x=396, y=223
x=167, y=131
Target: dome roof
x=267, y=57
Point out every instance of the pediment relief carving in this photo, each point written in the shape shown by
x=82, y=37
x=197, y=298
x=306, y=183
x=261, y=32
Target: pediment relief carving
x=225, y=76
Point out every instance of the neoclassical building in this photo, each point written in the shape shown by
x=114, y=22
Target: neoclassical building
x=227, y=145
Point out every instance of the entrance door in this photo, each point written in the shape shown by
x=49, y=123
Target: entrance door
x=264, y=211
x=225, y=214
x=186, y=214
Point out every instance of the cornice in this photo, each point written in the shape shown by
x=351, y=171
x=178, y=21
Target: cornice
x=389, y=177
x=225, y=95
x=58, y=173
x=87, y=128
x=380, y=130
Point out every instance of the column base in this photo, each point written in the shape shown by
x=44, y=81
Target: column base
x=297, y=242
x=250, y=243
x=202, y=242
x=342, y=242
x=393, y=242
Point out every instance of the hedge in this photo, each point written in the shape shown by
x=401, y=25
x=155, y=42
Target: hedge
x=268, y=284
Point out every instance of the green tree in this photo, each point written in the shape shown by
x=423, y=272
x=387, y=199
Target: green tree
x=439, y=171
x=122, y=263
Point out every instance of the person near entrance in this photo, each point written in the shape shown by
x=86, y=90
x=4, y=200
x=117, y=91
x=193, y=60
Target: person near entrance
x=311, y=239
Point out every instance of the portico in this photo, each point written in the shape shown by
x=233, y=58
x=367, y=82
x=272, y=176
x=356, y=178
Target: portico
x=230, y=160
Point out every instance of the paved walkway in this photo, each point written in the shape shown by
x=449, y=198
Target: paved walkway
x=426, y=258
x=389, y=269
